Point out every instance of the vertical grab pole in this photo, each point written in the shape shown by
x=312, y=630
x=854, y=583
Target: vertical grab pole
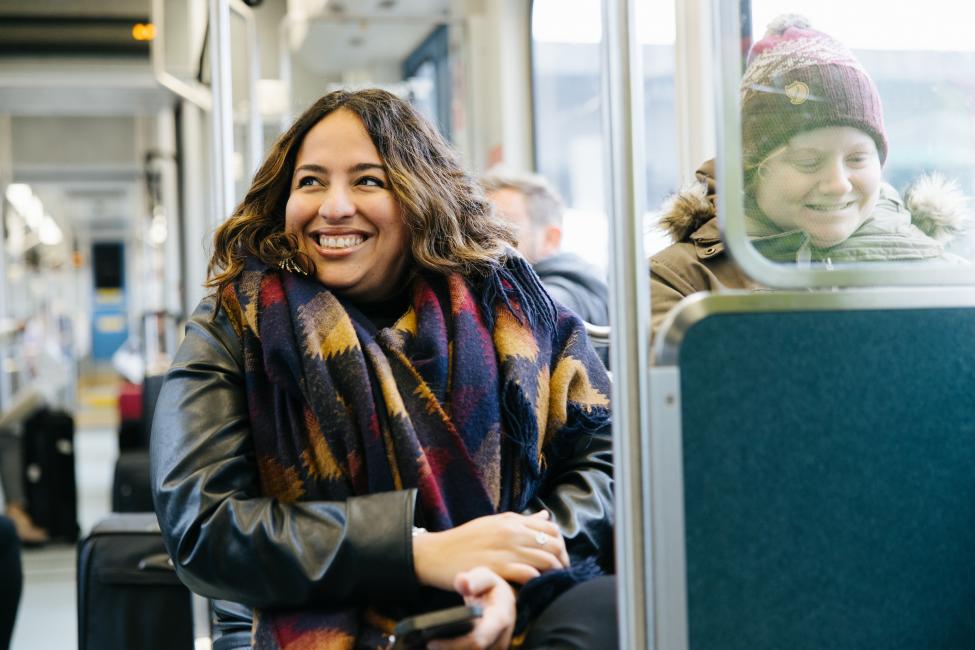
x=6, y=177
x=255, y=128
x=222, y=115
x=629, y=318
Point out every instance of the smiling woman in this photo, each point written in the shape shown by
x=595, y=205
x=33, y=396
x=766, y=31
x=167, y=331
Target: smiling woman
x=378, y=361
x=813, y=147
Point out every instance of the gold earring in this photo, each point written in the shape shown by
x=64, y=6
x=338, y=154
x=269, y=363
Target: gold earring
x=289, y=264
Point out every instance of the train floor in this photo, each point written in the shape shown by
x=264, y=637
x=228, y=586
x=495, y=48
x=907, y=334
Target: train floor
x=47, y=617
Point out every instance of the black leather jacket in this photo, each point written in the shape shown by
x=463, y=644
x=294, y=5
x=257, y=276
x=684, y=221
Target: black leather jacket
x=230, y=542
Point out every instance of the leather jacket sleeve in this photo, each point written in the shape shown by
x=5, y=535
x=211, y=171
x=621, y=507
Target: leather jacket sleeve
x=578, y=490
x=229, y=542
x=579, y=494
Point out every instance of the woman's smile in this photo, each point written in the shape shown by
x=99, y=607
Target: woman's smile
x=830, y=207
x=331, y=244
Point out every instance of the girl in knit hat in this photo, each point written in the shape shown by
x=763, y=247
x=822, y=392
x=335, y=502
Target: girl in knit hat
x=813, y=145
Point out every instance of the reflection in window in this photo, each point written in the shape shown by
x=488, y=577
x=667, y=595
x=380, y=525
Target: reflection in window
x=922, y=59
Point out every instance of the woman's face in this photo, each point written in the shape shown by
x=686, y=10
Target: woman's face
x=344, y=213
x=825, y=182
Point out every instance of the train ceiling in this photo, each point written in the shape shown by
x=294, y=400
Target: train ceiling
x=346, y=35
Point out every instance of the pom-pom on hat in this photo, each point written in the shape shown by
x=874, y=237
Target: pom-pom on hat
x=799, y=79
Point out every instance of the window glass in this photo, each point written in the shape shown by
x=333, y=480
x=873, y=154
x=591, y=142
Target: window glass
x=426, y=71
x=423, y=86
x=568, y=120
x=857, y=133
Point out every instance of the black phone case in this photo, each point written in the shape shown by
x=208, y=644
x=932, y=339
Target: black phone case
x=415, y=631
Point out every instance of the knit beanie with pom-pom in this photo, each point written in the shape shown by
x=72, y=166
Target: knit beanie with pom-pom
x=799, y=79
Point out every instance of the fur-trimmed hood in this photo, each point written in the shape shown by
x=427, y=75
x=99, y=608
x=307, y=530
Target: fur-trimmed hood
x=937, y=206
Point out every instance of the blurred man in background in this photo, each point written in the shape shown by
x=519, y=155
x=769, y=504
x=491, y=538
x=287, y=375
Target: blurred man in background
x=534, y=208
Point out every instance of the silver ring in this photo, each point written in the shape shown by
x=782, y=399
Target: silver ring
x=541, y=538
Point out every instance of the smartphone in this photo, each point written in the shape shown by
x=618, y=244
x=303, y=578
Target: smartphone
x=415, y=631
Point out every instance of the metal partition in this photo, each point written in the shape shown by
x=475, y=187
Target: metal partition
x=217, y=98
x=191, y=91
x=810, y=457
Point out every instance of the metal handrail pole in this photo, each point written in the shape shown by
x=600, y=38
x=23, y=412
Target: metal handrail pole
x=255, y=129
x=629, y=319
x=7, y=329
x=222, y=114
x=284, y=68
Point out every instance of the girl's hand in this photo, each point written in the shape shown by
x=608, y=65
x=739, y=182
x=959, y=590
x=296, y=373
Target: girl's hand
x=481, y=586
x=515, y=547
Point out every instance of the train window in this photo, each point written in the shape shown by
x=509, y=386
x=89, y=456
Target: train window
x=568, y=120
x=656, y=30
x=857, y=150
x=427, y=70
x=566, y=87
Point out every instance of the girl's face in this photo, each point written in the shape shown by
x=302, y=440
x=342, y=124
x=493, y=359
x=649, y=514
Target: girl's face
x=825, y=182
x=344, y=213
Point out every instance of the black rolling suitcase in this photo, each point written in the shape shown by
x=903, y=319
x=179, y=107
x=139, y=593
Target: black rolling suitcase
x=131, y=435
x=130, y=486
x=151, y=386
x=128, y=594
x=49, y=478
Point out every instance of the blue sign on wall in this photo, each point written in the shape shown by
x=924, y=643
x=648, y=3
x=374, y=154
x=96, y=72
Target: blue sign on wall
x=109, y=322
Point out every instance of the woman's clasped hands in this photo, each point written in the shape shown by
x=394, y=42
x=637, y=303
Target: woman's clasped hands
x=515, y=547
x=493, y=630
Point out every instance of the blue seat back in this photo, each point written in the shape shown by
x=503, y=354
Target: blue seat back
x=829, y=479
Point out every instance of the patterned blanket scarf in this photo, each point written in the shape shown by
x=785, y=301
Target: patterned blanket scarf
x=467, y=397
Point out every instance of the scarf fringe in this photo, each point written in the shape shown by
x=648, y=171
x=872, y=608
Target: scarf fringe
x=586, y=422
x=538, y=593
x=522, y=429
x=516, y=279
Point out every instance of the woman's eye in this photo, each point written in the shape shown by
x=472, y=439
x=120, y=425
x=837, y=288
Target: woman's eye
x=806, y=165
x=371, y=181
x=305, y=181
x=858, y=159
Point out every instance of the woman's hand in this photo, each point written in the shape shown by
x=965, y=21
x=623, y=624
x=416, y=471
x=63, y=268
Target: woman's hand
x=515, y=547
x=481, y=586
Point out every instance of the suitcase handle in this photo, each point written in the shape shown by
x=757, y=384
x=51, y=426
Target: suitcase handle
x=157, y=562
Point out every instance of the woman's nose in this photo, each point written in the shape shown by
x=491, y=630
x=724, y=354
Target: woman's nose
x=835, y=179
x=337, y=203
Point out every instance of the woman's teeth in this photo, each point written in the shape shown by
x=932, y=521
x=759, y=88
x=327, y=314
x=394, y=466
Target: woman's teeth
x=830, y=208
x=343, y=241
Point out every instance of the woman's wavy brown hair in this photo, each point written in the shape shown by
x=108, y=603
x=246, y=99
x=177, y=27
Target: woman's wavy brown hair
x=453, y=227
